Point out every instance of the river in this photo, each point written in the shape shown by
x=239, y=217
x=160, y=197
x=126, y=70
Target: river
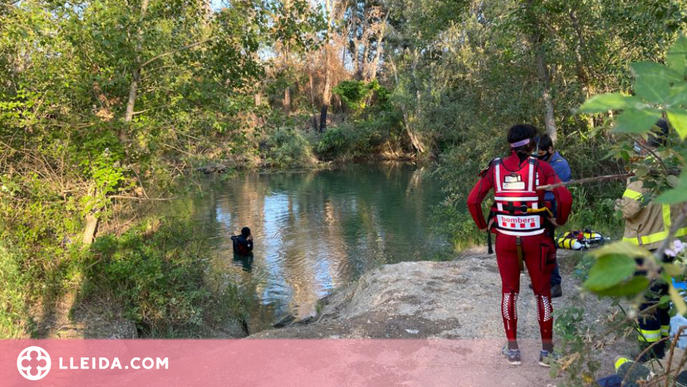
x=315, y=231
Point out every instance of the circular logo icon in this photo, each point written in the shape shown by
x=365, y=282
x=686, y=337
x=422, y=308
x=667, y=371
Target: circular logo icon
x=33, y=363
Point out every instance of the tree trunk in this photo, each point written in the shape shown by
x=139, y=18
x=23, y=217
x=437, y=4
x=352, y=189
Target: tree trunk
x=323, y=118
x=91, y=228
x=355, y=54
x=582, y=73
x=287, y=99
x=415, y=140
x=315, y=126
x=380, y=37
x=312, y=91
x=136, y=73
x=133, y=91
x=327, y=91
x=550, y=120
x=542, y=73
x=92, y=220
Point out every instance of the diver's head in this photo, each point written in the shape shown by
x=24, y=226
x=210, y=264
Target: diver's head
x=544, y=147
x=520, y=138
x=245, y=232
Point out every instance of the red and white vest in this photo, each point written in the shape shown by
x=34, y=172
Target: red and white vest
x=516, y=193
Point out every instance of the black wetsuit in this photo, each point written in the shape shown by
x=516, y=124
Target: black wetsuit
x=242, y=246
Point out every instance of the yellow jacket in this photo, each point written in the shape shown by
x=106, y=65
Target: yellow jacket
x=646, y=225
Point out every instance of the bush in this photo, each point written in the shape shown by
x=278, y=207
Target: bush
x=157, y=275
x=335, y=142
x=288, y=147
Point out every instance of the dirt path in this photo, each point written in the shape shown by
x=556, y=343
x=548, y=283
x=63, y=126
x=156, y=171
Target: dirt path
x=456, y=300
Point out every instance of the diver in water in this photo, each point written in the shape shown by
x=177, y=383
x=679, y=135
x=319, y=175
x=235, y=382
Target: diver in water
x=243, y=244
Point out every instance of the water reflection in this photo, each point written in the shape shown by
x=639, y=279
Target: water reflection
x=244, y=261
x=316, y=231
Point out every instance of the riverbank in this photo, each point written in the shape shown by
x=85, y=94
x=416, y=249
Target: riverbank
x=457, y=300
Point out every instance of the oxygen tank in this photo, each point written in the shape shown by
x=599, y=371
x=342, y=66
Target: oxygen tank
x=567, y=243
x=593, y=237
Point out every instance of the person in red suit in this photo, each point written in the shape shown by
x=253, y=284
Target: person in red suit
x=519, y=218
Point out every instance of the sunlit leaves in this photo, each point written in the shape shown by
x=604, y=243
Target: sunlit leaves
x=678, y=118
x=658, y=88
x=653, y=88
x=637, y=121
x=645, y=69
x=677, y=56
x=602, y=103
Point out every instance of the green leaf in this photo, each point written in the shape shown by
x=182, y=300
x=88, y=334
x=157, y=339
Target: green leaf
x=678, y=194
x=612, y=153
x=624, y=248
x=602, y=103
x=671, y=269
x=653, y=88
x=644, y=69
x=677, y=56
x=609, y=271
x=637, y=121
x=664, y=300
x=628, y=288
x=673, y=180
x=678, y=95
x=678, y=301
x=641, y=171
x=678, y=118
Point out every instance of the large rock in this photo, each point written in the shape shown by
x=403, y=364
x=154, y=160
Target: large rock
x=456, y=300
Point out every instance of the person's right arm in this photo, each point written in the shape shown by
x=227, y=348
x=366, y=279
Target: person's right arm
x=630, y=203
x=477, y=195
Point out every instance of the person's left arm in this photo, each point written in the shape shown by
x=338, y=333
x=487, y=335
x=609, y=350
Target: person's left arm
x=562, y=169
x=562, y=194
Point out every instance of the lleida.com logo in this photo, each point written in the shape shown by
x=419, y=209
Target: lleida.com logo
x=33, y=363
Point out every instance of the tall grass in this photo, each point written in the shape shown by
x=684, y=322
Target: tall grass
x=14, y=316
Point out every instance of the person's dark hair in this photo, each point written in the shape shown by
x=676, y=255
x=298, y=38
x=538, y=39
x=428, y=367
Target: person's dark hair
x=545, y=142
x=245, y=231
x=658, y=137
x=519, y=133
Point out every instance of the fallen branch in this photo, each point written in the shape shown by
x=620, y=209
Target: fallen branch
x=549, y=187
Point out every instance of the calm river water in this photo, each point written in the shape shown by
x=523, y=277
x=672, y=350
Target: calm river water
x=316, y=230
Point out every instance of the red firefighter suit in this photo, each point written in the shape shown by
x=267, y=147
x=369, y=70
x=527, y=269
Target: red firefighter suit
x=519, y=219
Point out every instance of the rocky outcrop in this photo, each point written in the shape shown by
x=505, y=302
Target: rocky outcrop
x=458, y=300
x=453, y=300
